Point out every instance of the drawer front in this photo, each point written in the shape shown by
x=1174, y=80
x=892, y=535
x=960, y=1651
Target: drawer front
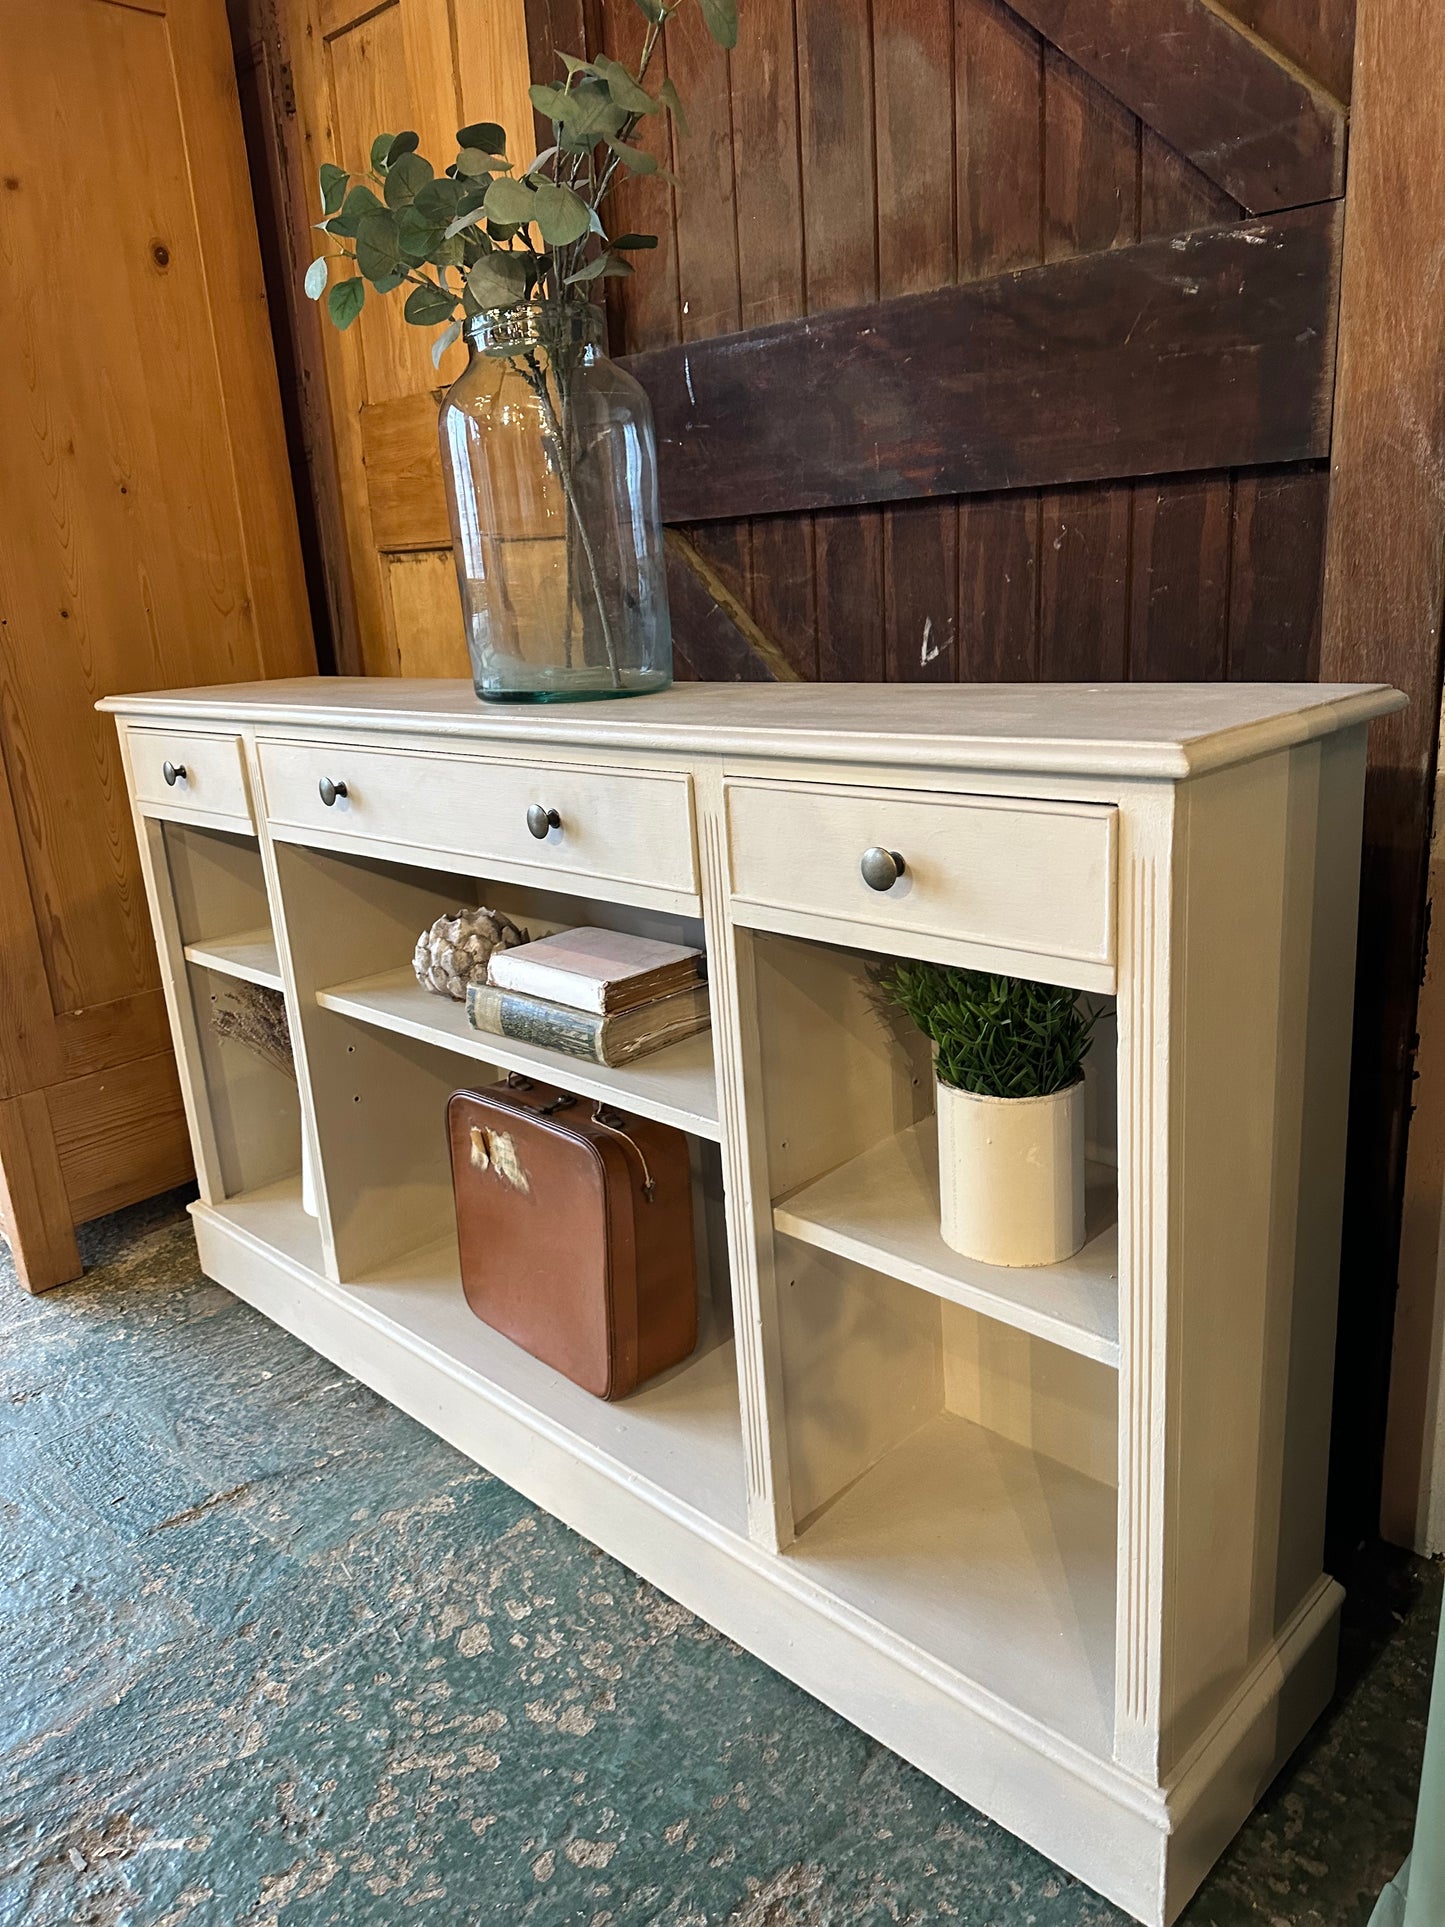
x=1002, y=874
x=209, y=773
x=625, y=826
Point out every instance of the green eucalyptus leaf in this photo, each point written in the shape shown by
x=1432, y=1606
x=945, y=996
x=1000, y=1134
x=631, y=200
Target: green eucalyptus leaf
x=597, y=265
x=388, y=283
x=653, y=9
x=669, y=97
x=483, y=135
x=636, y=160
x=380, y=148
x=358, y=203
x=498, y=281
x=316, y=277
x=448, y=338
x=406, y=143
x=550, y=101
x=588, y=114
x=405, y=178
x=510, y=202
x=449, y=252
x=343, y=303
x=635, y=241
x=613, y=269
x=624, y=90
x=439, y=201
x=722, y=21
x=473, y=164
x=378, y=248
x=562, y=217
x=427, y=306
x=499, y=233
x=333, y=187
x=575, y=65
x=416, y=236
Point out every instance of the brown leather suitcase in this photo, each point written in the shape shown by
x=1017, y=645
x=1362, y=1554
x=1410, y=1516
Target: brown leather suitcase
x=575, y=1223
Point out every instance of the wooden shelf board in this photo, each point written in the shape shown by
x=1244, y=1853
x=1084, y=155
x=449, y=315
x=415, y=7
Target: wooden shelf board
x=681, y=1432
x=996, y=1562
x=677, y=1086
x=881, y=1210
x=250, y=955
x=273, y=1215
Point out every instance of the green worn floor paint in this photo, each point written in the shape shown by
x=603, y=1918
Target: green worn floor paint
x=273, y=1656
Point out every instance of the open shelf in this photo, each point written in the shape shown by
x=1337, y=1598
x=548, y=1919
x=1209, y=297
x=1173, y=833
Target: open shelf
x=273, y=1216
x=677, y=1086
x=988, y=1557
x=881, y=1210
x=681, y=1432
x=250, y=955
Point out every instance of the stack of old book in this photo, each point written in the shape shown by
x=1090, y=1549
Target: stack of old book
x=596, y=994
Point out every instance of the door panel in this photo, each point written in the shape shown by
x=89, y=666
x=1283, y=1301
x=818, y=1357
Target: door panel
x=360, y=70
x=147, y=533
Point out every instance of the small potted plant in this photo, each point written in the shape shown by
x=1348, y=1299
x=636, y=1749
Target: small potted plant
x=1008, y=1072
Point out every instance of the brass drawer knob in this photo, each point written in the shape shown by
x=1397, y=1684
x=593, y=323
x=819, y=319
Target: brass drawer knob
x=174, y=773
x=330, y=790
x=881, y=868
x=539, y=821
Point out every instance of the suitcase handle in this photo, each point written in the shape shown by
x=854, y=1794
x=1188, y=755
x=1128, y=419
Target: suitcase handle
x=605, y=1119
x=612, y=1121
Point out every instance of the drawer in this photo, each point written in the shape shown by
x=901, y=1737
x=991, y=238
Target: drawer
x=209, y=773
x=613, y=826
x=999, y=874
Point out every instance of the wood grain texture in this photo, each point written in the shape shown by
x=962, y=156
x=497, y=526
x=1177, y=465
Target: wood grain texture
x=281, y=183
x=912, y=47
x=1255, y=125
x=1197, y=352
x=1090, y=203
x=1277, y=573
x=35, y=1213
x=840, y=257
x=1318, y=35
x=120, y=1134
x=1384, y=592
x=999, y=138
x=146, y=526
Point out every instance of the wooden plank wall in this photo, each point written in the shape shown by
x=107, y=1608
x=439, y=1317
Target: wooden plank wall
x=848, y=152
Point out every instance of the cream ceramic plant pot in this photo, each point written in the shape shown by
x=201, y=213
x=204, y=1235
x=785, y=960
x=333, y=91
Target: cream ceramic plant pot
x=1011, y=1175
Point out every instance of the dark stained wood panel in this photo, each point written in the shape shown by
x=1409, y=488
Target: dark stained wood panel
x=1202, y=351
x=1277, y=573
x=1220, y=97
x=1091, y=203
x=1384, y=601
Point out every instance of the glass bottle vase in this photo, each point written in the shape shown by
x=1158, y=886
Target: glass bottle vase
x=551, y=472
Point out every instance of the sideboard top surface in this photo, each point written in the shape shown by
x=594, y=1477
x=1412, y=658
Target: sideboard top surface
x=1169, y=730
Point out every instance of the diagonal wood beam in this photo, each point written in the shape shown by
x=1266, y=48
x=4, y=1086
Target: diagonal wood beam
x=1243, y=114
x=1206, y=350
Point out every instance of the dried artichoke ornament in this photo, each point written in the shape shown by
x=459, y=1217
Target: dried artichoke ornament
x=454, y=952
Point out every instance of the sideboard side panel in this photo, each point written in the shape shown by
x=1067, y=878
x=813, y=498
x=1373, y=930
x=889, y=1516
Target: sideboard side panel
x=1266, y=895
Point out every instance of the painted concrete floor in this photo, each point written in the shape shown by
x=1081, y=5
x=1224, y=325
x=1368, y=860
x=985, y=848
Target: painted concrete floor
x=272, y=1656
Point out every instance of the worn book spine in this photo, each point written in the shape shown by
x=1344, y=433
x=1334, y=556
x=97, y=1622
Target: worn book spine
x=526, y=1020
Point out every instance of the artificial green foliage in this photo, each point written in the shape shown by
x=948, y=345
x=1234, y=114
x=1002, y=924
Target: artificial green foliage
x=995, y=1036
x=479, y=236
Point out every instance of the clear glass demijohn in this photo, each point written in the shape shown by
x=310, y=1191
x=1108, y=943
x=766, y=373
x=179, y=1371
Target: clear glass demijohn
x=551, y=471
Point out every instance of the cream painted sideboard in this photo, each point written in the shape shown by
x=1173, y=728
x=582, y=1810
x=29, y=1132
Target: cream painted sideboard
x=1053, y=1535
